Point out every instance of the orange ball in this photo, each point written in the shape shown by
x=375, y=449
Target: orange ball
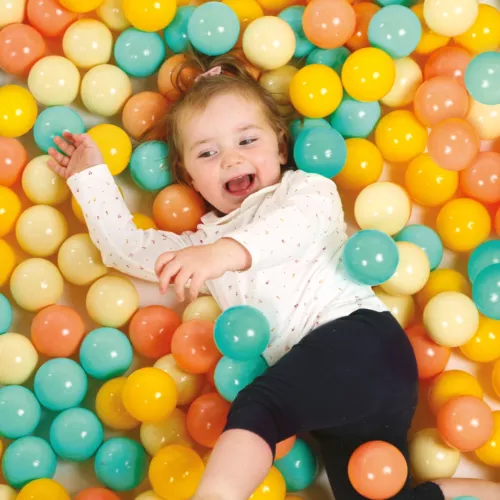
x=49, y=17
x=57, y=331
x=465, y=423
x=364, y=12
x=170, y=83
x=97, y=494
x=193, y=346
x=13, y=159
x=206, y=418
x=284, y=447
x=447, y=61
x=151, y=330
x=178, y=208
x=481, y=179
x=377, y=470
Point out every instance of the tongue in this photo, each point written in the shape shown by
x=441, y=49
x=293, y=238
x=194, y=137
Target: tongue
x=239, y=184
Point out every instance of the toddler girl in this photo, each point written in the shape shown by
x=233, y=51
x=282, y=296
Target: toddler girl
x=341, y=367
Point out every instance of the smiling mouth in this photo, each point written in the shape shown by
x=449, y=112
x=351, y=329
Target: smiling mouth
x=240, y=185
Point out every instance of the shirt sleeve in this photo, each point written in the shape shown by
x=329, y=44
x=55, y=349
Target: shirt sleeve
x=122, y=245
x=312, y=209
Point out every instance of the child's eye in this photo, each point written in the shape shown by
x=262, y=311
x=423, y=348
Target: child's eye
x=246, y=142
x=206, y=154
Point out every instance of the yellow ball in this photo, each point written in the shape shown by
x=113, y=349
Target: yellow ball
x=81, y=5
x=41, y=185
x=54, y=80
x=6, y=492
x=188, y=385
x=171, y=430
x=111, y=301
x=246, y=11
x=115, y=146
x=41, y=230
x=485, y=119
x=148, y=495
x=368, y=74
x=463, y=224
x=384, y=206
x=77, y=210
x=269, y=42
x=87, y=43
x=175, y=472
x=430, y=457
x=277, y=83
x=402, y=307
x=149, y=15
x=429, y=41
x=400, y=136
x=111, y=13
x=18, y=359
x=7, y=262
x=109, y=406
x=35, y=284
x=484, y=34
x=11, y=12
x=316, y=91
x=205, y=308
x=105, y=89
x=484, y=347
x=272, y=488
x=443, y=280
x=408, y=79
x=276, y=5
x=10, y=208
x=143, y=222
x=489, y=453
x=428, y=184
x=450, y=17
x=79, y=261
x=43, y=489
x=18, y=111
x=451, y=319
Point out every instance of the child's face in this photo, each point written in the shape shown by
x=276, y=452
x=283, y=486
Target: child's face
x=230, y=151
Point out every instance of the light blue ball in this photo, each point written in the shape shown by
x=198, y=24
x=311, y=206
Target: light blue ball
x=486, y=254
x=321, y=151
x=305, y=124
x=242, y=333
x=76, y=434
x=27, y=459
x=54, y=121
x=333, y=58
x=486, y=291
x=106, y=353
x=139, y=53
x=20, y=412
x=121, y=464
x=406, y=3
x=5, y=314
x=298, y=467
x=425, y=238
x=355, y=118
x=370, y=257
x=176, y=33
x=466, y=498
x=482, y=78
x=60, y=383
x=213, y=28
x=232, y=376
x=293, y=17
x=149, y=166
x=396, y=30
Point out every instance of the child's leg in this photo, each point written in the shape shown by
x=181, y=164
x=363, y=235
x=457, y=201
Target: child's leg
x=484, y=490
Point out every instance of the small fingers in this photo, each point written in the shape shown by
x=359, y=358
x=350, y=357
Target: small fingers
x=162, y=261
x=168, y=272
x=64, y=145
x=58, y=157
x=180, y=284
x=57, y=168
x=197, y=281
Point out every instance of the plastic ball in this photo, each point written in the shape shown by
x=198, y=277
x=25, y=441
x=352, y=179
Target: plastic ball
x=497, y=223
x=277, y=83
x=482, y=78
x=273, y=487
x=121, y=464
x=176, y=33
x=57, y=331
x=486, y=254
x=11, y=12
x=35, y=284
x=20, y=412
x=450, y=17
x=489, y=453
x=18, y=359
x=485, y=119
x=19, y=111
x=426, y=238
x=430, y=457
x=368, y=74
x=305, y=124
x=495, y=378
x=7, y=261
x=400, y=137
x=21, y=46
x=408, y=79
x=486, y=291
x=178, y=208
x=383, y=206
x=49, y=17
x=174, y=77
x=401, y=307
x=284, y=447
x=298, y=467
x=463, y=224
x=148, y=166
x=111, y=13
x=370, y=257
x=147, y=495
x=27, y=459
x=13, y=159
x=5, y=314
x=431, y=358
x=7, y=493
x=175, y=471
x=54, y=80
x=333, y=58
x=204, y=308
x=41, y=185
x=60, y=384
x=111, y=301
x=106, y=353
x=484, y=346
x=269, y=42
x=143, y=222
x=450, y=61
x=81, y=5
x=10, y=209
x=109, y=406
x=41, y=489
x=293, y=16
x=97, y=493
x=355, y=118
x=430, y=41
x=481, y=179
x=364, y=12
x=79, y=261
x=149, y=15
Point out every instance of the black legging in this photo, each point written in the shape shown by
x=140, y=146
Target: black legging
x=350, y=381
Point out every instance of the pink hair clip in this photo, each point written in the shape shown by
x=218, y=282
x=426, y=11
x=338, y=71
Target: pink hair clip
x=211, y=72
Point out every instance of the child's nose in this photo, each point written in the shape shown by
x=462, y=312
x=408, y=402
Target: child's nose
x=231, y=159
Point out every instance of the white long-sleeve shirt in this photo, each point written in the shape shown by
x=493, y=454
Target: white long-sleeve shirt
x=293, y=230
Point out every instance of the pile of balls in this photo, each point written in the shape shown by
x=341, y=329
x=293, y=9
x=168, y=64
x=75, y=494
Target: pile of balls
x=412, y=84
